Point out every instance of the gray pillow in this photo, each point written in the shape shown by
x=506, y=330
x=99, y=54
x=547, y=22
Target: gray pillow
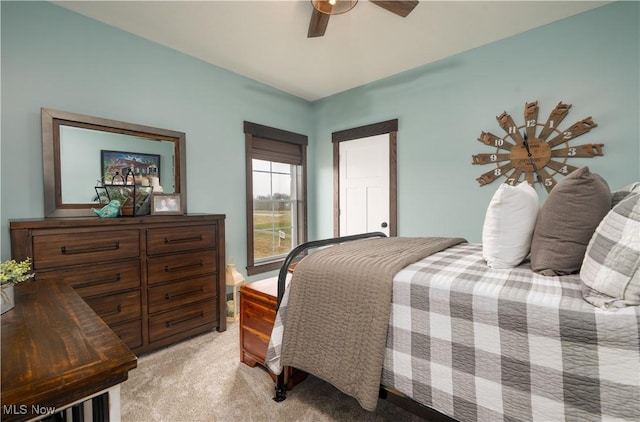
x=566, y=222
x=618, y=196
x=610, y=272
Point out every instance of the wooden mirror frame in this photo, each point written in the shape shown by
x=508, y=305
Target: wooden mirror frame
x=51, y=121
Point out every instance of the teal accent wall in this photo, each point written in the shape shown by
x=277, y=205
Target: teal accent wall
x=55, y=58
x=590, y=60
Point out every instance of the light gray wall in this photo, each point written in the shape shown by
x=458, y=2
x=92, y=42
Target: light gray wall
x=590, y=61
x=54, y=58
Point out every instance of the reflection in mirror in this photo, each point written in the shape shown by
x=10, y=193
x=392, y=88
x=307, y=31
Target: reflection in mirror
x=81, y=151
x=82, y=158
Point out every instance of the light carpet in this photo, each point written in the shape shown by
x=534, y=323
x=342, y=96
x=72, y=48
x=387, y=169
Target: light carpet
x=202, y=379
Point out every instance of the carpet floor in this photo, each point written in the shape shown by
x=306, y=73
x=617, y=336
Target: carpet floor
x=202, y=379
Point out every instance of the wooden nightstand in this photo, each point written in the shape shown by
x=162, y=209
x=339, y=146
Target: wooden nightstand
x=257, y=315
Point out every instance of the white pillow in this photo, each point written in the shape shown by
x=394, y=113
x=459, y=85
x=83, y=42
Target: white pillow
x=508, y=225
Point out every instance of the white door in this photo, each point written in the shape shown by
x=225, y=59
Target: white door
x=364, y=185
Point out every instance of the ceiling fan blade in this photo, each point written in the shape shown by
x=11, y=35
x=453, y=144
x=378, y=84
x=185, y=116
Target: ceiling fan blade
x=318, y=24
x=400, y=8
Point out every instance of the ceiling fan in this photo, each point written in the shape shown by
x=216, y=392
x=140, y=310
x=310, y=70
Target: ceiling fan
x=323, y=9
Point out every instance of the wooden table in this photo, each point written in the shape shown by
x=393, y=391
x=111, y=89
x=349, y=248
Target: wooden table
x=57, y=352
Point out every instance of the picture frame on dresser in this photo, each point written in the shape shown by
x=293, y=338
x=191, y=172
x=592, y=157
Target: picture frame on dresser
x=166, y=204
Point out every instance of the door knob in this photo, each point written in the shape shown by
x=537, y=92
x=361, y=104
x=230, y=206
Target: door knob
x=383, y=225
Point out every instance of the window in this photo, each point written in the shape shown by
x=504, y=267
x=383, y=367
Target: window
x=275, y=221
x=276, y=195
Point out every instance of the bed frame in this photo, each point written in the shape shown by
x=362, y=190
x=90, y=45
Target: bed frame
x=392, y=396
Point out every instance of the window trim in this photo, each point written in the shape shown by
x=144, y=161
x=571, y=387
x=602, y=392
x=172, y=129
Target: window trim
x=253, y=131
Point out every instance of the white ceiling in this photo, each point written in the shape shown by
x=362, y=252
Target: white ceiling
x=267, y=40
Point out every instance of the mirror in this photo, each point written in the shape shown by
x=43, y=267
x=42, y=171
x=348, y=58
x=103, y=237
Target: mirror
x=80, y=151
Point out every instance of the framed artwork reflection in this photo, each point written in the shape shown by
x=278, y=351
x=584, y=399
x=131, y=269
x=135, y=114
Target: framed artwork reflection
x=116, y=162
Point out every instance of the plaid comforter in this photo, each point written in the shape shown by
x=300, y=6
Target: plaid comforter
x=483, y=344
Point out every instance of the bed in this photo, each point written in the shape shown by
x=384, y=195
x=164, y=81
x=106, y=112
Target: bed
x=469, y=341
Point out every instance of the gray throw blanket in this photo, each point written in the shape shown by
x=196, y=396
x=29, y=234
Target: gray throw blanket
x=339, y=306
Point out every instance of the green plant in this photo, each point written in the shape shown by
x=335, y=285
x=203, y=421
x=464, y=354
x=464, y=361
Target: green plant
x=15, y=272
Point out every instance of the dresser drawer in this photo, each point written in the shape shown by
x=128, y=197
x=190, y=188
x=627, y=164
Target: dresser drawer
x=179, y=320
x=178, y=239
x=178, y=293
x=129, y=332
x=60, y=250
x=161, y=269
x=117, y=307
x=98, y=279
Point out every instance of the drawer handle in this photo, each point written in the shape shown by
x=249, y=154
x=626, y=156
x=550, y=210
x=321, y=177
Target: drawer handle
x=167, y=296
x=168, y=269
x=115, y=246
x=116, y=278
x=175, y=322
x=117, y=311
x=183, y=239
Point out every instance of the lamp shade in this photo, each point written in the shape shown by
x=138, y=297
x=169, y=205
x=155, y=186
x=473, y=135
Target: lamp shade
x=333, y=7
x=233, y=277
x=234, y=280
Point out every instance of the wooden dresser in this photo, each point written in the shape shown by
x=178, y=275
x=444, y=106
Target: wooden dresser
x=258, y=301
x=154, y=280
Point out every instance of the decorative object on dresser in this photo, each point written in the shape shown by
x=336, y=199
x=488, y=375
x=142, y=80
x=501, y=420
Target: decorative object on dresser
x=134, y=198
x=522, y=151
x=234, y=280
x=166, y=204
x=154, y=280
x=111, y=210
x=12, y=273
x=258, y=302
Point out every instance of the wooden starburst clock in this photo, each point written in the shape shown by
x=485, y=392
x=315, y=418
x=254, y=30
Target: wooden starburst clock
x=524, y=153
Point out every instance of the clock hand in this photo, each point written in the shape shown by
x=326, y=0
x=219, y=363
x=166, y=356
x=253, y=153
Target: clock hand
x=526, y=146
